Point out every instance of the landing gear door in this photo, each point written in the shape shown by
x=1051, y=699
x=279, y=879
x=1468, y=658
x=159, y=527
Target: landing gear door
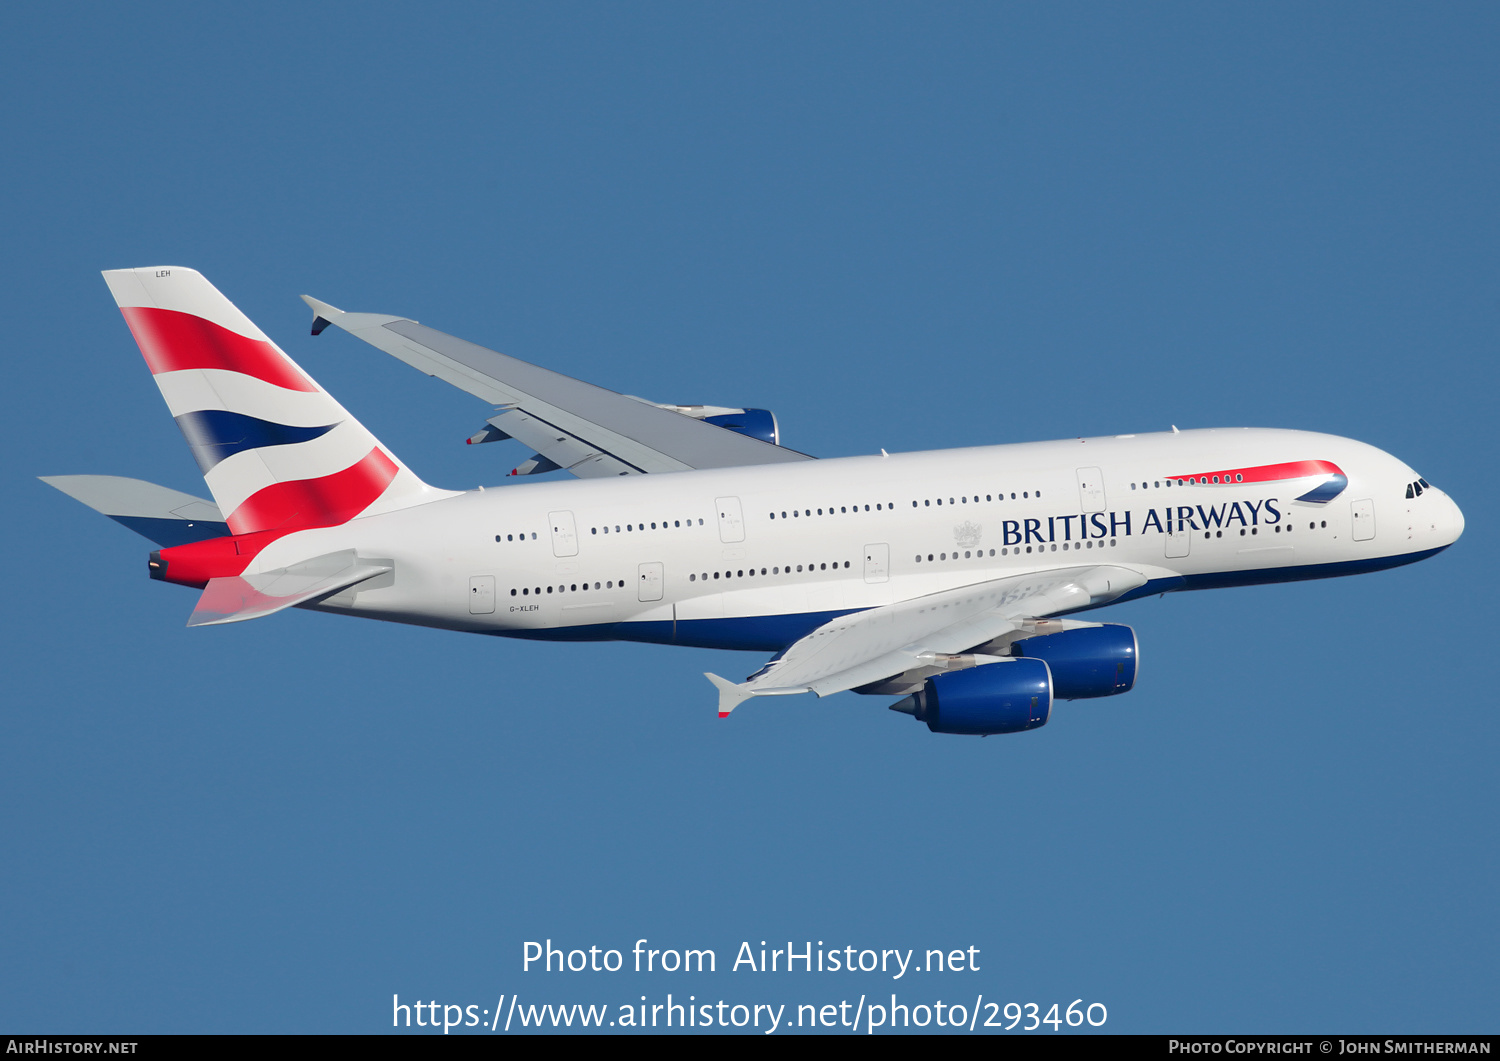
x=731, y=519
x=564, y=534
x=650, y=582
x=877, y=563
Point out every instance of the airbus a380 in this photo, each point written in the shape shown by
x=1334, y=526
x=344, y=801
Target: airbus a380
x=939, y=577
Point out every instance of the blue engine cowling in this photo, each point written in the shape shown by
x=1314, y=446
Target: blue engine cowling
x=1087, y=662
x=757, y=423
x=1003, y=697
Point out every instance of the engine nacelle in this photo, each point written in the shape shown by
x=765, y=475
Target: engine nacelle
x=1005, y=697
x=1087, y=662
x=757, y=423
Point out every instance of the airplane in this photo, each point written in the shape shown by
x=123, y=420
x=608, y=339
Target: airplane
x=945, y=578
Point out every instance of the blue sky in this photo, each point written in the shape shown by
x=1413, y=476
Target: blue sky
x=897, y=227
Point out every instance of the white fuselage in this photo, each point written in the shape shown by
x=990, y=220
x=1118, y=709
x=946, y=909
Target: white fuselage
x=756, y=557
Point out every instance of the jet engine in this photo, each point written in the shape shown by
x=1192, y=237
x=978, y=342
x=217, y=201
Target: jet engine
x=1086, y=662
x=1007, y=696
x=757, y=423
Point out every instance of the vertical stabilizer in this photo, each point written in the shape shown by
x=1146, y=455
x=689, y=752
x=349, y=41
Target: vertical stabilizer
x=277, y=452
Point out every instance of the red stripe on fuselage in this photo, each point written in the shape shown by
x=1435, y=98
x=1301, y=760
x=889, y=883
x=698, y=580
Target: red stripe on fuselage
x=1264, y=473
x=323, y=502
x=172, y=341
x=299, y=505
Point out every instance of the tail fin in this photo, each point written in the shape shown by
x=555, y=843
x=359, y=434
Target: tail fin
x=277, y=452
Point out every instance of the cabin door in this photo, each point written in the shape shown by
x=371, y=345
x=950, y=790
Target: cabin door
x=1090, y=490
x=482, y=595
x=650, y=582
x=731, y=519
x=564, y=534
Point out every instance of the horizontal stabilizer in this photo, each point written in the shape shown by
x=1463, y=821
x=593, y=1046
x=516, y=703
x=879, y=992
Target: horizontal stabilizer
x=241, y=597
x=166, y=517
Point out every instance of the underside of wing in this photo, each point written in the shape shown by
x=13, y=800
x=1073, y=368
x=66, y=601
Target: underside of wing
x=871, y=646
x=577, y=426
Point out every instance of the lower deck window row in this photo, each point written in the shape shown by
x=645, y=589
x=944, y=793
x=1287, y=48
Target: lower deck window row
x=1014, y=551
x=573, y=587
x=750, y=571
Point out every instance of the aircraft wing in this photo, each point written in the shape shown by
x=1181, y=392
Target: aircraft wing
x=588, y=430
x=875, y=644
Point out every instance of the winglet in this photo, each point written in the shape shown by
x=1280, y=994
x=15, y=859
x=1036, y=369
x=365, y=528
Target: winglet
x=730, y=694
x=323, y=314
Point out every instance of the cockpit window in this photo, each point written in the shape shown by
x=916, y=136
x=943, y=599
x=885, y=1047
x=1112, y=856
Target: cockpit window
x=1424, y=482
x=1410, y=493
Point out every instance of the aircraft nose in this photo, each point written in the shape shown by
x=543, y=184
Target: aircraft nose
x=1455, y=521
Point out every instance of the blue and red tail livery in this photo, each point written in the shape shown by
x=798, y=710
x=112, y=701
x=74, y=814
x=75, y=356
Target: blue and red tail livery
x=276, y=450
